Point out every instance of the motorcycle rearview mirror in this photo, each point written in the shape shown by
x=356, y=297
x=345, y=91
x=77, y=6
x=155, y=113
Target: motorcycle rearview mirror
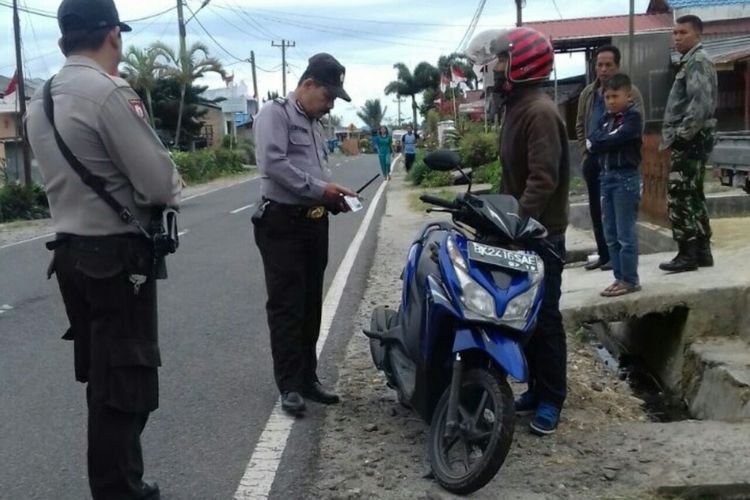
x=445, y=160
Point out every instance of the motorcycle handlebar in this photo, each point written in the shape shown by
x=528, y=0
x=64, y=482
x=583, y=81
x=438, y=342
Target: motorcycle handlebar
x=440, y=202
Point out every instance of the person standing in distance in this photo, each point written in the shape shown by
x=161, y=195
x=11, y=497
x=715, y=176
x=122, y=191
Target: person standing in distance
x=409, y=141
x=384, y=144
x=688, y=133
x=291, y=225
x=534, y=149
x=104, y=265
x=591, y=108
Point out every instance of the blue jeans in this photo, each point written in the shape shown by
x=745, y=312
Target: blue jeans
x=621, y=197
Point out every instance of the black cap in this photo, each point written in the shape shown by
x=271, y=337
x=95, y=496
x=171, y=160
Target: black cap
x=325, y=69
x=88, y=15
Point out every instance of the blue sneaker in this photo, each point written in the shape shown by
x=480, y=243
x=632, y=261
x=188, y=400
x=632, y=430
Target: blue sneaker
x=545, y=420
x=526, y=404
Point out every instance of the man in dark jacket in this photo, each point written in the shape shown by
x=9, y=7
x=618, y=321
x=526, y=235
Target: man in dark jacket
x=534, y=155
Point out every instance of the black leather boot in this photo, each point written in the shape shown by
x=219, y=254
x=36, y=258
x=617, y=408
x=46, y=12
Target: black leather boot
x=292, y=402
x=705, y=259
x=686, y=260
x=316, y=392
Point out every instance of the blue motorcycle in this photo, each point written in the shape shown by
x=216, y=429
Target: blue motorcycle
x=472, y=289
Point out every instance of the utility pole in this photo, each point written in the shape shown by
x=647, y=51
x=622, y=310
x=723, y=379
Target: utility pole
x=519, y=17
x=181, y=24
x=631, y=34
x=21, y=98
x=255, y=79
x=399, y=100
x=284, y=45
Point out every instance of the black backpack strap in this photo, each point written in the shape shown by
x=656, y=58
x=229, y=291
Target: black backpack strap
x=93, y=181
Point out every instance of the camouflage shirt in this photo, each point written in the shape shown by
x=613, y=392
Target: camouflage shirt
x=692, y=100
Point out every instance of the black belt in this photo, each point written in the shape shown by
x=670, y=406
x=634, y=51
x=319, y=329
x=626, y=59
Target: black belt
x=300, y=211
x=108, y=244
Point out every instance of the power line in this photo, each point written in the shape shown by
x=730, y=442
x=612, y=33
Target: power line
x=334, y=31
x=238, y=59
x=230, y=23
x=53, y=15
x=554, y=2
x=261, y=29
x=146, y=18
x=28, y=10
x=472, y=27
x=359, y=20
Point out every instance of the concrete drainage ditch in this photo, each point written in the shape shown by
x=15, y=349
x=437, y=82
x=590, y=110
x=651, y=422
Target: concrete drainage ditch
x=687, y=361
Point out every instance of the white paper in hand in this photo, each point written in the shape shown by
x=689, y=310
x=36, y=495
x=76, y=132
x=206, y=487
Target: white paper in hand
x=354, y=204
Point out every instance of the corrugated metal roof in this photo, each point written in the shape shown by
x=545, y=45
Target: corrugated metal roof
x=681, y=4
x=725, y=50
x=595, y=27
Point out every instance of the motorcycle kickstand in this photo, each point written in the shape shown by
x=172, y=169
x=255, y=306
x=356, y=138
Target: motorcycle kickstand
x=451, y=425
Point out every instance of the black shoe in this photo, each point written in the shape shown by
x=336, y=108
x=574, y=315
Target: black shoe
x=316, y=392
x=149, y=491
x=704, y=257
x=607, y=266
x=596, y=264
x=292, y=402
x=686, y=259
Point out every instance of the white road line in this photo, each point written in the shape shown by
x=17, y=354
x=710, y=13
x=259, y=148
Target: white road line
x=5, y=308
x=184, y=231
x=261, y=470
x=9, y=245
x=48, y=235
x=220, y=188
x=238, y=210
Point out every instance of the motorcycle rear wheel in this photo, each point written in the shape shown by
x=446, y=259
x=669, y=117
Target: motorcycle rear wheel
x=469, y=458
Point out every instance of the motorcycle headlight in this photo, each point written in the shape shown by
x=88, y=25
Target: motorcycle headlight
x=473, y=295
x=518, y=309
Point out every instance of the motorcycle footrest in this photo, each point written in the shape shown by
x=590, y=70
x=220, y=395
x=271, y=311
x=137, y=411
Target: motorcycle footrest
x=374, y=335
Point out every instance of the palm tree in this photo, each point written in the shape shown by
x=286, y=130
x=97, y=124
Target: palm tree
x=140, y=72
x=407, y=83
x=372, y=113
x=186, y=68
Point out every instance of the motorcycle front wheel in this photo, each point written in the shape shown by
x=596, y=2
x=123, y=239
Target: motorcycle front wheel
x=465, y=459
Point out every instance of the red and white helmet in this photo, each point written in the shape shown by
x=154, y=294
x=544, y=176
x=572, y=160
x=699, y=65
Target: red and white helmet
x=529, y=54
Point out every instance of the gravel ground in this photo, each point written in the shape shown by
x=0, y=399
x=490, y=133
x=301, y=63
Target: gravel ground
x=606, y=447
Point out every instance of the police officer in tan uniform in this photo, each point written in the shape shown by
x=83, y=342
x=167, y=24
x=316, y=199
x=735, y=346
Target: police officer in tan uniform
x=104, y=265
x=291, y=226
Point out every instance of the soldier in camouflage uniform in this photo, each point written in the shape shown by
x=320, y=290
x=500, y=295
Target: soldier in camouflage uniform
x=688, y=131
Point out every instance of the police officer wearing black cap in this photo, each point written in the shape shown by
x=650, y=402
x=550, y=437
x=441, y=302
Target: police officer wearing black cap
x=291, y=225
x=103, y=262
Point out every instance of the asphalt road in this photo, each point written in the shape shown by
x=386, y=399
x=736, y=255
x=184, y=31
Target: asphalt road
x=217, y=386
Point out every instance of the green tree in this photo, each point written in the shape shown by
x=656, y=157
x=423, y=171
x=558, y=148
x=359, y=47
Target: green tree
x=460, y=61
x=372, y=113
x=410, y=84
x=185, y=69
x=140, y=72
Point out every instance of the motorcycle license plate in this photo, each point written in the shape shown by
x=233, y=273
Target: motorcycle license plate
x=509, y=259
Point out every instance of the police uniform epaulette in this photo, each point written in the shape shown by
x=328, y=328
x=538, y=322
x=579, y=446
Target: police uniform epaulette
x=280, y=100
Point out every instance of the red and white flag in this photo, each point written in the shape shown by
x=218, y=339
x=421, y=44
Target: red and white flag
x=457, y=76
x=12, y=86
x=444, y=82
x=229, y=79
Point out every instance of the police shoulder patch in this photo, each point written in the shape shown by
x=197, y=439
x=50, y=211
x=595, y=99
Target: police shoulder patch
x=138, y=108
x=280, y=100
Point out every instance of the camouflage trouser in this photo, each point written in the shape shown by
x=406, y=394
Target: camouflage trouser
x=686, y=200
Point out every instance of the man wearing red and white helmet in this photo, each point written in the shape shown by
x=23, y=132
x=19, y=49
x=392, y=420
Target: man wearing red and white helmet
x=535, y=167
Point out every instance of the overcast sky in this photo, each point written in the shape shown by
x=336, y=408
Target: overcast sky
x=367, y=36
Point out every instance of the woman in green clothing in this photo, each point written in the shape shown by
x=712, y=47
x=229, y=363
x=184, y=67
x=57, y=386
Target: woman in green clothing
x=384, y=145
